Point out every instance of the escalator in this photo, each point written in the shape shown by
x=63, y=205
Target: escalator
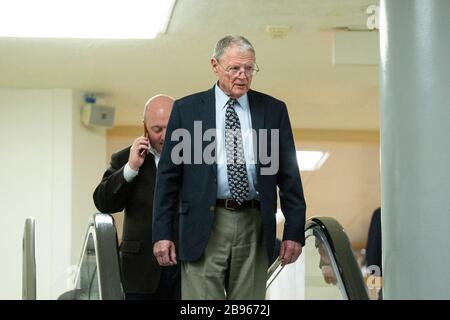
x=98, y=272
x=327, y=268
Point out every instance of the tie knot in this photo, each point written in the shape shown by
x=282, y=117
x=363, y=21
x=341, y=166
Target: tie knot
x=231, y=102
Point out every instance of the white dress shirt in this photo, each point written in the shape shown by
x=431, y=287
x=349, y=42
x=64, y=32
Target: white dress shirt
x=243, y=111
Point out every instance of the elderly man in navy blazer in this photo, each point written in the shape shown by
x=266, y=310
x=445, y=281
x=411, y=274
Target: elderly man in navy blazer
x=227, y=150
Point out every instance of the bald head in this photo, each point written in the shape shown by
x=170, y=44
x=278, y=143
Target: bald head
x=156, y=116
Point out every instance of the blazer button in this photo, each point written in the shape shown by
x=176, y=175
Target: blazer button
x=212, y=208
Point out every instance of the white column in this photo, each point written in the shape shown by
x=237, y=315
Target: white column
x=415, y=148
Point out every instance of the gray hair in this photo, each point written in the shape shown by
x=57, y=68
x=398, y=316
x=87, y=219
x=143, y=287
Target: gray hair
x=231, y=41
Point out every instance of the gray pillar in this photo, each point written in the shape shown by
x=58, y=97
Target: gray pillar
x=415, y=148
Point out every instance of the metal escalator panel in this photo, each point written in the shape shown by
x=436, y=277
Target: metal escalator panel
x=326, y=269
x=29, y=260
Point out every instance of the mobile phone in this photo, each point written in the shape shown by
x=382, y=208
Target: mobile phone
x=143, y=152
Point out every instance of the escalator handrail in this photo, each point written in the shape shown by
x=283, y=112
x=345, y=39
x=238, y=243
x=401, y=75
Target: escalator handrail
x=341, y=249
x=29, y=260
x=340, y=246
x=103, y=230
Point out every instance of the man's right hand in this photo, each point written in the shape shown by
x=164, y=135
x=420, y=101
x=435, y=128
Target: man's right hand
x=138, y=151
x=164, y=251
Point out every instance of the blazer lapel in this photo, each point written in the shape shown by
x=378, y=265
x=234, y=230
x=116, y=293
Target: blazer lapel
x=256, y=111
x=208, y=110
x=147, y=173
x=257, y=115
x=208, y=115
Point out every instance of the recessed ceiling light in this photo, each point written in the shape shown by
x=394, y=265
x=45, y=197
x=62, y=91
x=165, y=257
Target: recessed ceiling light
x=91, y=19
x=311, y=160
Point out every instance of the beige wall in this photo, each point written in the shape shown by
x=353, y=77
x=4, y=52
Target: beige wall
x=347, y=187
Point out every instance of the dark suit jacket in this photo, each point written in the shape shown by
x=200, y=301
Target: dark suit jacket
x=140, y=270
x=197, y=183
x=373, y=249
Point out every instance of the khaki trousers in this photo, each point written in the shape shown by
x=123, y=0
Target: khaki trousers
x=234, y=265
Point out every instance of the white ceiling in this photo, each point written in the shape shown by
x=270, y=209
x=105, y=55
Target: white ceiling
x=297, y=68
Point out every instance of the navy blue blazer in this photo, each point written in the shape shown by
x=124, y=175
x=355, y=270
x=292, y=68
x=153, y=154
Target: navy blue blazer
x=196, y=184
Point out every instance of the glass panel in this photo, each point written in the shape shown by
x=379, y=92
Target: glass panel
x=88, y=284
x=287, y=283
x=322, y=281
x=99, y=264
x=313, y=276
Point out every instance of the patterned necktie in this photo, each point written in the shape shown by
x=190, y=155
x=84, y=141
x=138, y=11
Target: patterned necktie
x=236, y=169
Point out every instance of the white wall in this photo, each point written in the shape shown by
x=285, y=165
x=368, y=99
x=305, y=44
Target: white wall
x=44, y=173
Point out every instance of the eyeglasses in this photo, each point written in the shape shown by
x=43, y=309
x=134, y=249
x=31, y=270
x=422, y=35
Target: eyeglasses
x=236, y=70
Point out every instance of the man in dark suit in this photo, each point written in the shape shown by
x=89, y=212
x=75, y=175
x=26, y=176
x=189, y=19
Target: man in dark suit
x=228, y=189
x=129, y=184
x=373, y=255
x=373, y=249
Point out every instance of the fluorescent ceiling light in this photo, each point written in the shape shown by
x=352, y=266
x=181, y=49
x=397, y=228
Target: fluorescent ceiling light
x=89, y=19
x=311, y=160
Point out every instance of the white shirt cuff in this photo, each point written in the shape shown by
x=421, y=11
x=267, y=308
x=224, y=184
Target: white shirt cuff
x=128, y=173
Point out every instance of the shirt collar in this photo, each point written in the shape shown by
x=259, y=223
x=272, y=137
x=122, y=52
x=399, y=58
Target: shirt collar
x=153, y=152
x=222, y=99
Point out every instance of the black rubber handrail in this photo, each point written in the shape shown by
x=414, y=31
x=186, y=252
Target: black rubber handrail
x=340, y=246
x=341, y=250
x=107, y=257
x=102, y=230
